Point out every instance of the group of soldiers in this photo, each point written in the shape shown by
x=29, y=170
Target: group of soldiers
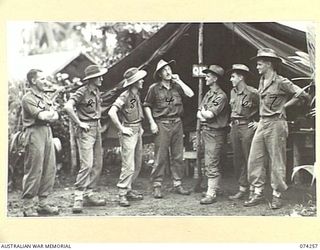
x=258, y=129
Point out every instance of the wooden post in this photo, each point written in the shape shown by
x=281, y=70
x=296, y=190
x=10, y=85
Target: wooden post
x=198, y=172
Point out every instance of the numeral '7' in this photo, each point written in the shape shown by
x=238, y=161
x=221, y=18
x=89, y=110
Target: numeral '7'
x=274, y=99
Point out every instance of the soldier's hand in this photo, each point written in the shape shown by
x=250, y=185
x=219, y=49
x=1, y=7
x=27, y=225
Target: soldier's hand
x=253, y=125
x=206, y=114
x=313, y=112
x=199, y=114
x=283, y=113
x=200, y=117
x=154, y=128
x=84, y=126
x=175, y=77
x=127, y=131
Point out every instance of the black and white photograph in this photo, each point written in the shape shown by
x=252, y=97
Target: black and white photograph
x=158, y=119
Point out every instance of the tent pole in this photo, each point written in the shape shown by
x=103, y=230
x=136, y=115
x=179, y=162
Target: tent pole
x=198, y=172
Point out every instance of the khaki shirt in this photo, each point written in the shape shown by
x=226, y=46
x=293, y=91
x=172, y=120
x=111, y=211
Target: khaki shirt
x=216, y=101
x=88, y=103
x=129, y=105
x=276, y=93
x=244, y=104
x=32, y=104
x=165, y=103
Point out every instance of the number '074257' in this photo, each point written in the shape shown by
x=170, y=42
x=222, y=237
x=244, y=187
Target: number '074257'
x=308, y=246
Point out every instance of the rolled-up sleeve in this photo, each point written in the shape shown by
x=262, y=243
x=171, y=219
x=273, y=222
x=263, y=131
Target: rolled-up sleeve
x=150, y=98
x=32, y=107
x=294, y=90
x=120, y=101
x=78, y=95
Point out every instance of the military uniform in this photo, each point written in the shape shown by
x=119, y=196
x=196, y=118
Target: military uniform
x=167, y=109
x=88, y=105
x=244, y=109
x=214, y=131
x=131, y=115
x=39, y=161
x=271, y=134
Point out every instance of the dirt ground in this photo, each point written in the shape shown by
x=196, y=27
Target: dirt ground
x=295, y=200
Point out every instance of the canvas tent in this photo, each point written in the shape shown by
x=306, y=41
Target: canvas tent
x=223, y=44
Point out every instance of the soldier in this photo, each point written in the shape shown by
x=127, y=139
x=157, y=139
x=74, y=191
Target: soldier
x=214, y=115
x=87, y=102
x=164, y=108
x=40, y=161
x=270, y=139
x=244, y=102
x=129, y=107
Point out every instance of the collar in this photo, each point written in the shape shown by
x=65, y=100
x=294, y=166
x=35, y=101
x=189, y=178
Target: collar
x=241, y=91
x=272, y=79
x=132, y=93
x=93, y=89
x=162, y=86
x=215, y=89
x=37, y=94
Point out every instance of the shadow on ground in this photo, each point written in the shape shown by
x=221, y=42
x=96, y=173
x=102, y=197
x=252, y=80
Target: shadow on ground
x=296, y=199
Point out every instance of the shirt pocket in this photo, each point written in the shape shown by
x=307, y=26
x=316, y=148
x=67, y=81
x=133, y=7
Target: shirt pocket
x=233, y=104
x=246, y=102
x=161, y=100
x=273, y=101
x=177, y=100
x=130, y=113
x=89, y=105
x=246, y=105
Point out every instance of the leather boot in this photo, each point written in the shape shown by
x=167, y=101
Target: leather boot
x=157, y=193
x=131, y=195
x=28, y=208
x=47, y=210
x=256, y=199
x=208, y=200
x=180, y=190
x=92, y=200
x=77, y=207
x=238, y=196
x=29, y=212
x=123, y=201
x=276, y=202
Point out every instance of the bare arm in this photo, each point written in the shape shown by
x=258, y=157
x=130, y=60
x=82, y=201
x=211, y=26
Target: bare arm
x=291, y=102
x=297, y=92
x=153, y=125
x=186, y=89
